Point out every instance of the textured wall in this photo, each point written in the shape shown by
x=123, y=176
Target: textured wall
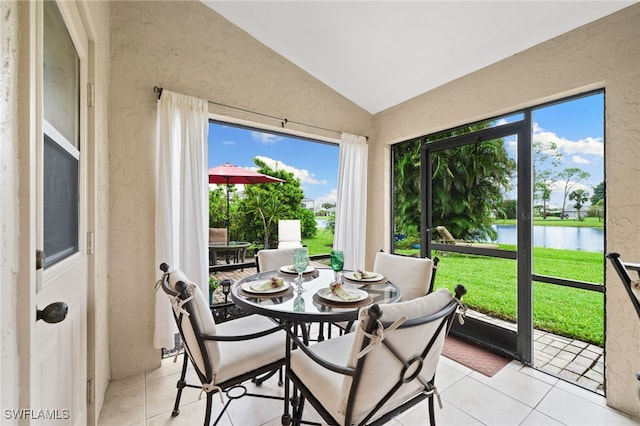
x=602, y=54
x=9, y=213
x=187, y=48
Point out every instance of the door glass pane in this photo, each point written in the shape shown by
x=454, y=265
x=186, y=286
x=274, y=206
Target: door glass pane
x=61, y=139
x=470, y=184
x=61, y=88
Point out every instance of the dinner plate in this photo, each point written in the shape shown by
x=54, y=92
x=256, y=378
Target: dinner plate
x=327, y=294
x=351, y=276
x=289, y=269
x=247, y=287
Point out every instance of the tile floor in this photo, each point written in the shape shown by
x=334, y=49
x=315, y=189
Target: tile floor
x=516, y=395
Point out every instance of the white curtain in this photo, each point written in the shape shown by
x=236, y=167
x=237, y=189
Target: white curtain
x=352, y=200
x=181, y=198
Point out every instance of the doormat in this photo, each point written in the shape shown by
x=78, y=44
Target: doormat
x=479, y=359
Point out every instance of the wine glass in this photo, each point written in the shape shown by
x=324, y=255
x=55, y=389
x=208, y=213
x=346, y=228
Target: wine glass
x=300, y=262
x=337, y=263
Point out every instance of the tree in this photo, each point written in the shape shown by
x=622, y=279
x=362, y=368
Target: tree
x=546, y=157
x=580, y=196
x=468, y=183
x=571, y=176
x=217, y=207
x=276, y=201
x=328, y=205
x=468, y=186
x=598, y=193
x=543, y=185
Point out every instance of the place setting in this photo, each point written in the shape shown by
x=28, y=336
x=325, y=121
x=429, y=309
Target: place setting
x=337, y=294
x=268, y=287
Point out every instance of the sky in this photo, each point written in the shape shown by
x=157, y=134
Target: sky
x=314, y=163
x=577, y=127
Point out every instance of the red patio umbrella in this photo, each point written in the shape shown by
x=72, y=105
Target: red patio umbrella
x=231, y=174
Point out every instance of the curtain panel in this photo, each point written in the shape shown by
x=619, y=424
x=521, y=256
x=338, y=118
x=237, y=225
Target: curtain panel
x=182, y=195
x=351, y=201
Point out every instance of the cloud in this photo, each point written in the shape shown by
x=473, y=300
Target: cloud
x=228, y=142
x=330, y=197
x=579, y=160
x=265, y=138
x=306, y=177
x=589, y=145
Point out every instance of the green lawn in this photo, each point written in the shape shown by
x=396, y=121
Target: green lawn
x=589, y=222
x=491, y=285
x=570, y=312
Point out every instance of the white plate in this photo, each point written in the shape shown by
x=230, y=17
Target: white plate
x=247, y=287
x=327, y=294
x=289, y=269
x=351, y=276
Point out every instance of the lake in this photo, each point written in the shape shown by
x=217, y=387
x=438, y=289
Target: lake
x=560, y=237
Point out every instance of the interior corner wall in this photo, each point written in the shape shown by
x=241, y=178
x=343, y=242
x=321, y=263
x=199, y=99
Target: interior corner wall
x=602, y=54
x=96, y=18
x=184, y=47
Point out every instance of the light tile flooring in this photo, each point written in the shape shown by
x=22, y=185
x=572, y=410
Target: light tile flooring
x=516, y=395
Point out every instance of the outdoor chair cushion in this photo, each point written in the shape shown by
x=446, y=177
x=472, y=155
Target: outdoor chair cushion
x=228, y=359
x=411, y=274
x=381, y=369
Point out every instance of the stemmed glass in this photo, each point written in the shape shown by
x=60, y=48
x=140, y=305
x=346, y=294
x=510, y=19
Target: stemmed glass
x=300, y=262
x=337, y=263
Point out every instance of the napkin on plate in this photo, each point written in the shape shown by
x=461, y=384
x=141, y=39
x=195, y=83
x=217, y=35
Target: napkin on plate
x=274, y=282
x=364, y=275
x=342, y=293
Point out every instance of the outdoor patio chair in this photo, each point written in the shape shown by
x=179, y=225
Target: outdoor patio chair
x=273, y=259
x=414, y=275
x=382, y=369
x=631, y=285
x=447, y=238
x=289, y=235
x=223, y=355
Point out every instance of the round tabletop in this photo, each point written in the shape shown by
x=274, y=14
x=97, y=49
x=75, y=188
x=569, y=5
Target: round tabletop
x=314, y=304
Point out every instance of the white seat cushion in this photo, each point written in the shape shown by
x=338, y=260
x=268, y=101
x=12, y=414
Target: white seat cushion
x=274, y=259
x=239, y=357
x=411, y=274
x=324, y=384
x=381, y=369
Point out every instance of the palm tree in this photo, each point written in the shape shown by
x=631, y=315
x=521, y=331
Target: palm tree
x=580, y=196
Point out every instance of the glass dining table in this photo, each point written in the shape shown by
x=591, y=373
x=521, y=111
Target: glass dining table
x=317, y=303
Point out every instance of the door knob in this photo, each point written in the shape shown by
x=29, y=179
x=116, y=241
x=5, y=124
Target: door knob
x=53, y=313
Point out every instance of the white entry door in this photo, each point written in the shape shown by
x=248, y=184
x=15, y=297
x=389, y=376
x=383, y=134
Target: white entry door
x=59, y=335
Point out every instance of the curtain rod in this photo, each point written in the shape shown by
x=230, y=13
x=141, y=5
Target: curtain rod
x=283, y=121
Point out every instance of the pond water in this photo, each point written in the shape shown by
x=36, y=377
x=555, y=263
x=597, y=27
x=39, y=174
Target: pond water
x=560, y=237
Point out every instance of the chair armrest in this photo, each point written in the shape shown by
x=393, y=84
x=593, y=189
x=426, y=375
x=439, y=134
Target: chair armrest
x=241, y=337
x=340, y=369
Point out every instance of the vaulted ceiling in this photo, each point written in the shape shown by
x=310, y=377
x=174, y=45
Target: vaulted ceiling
x=381, y=53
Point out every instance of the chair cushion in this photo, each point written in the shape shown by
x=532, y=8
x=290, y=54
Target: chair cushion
x=382, y=369
x=324, y=384
x=239, y=357
x=274, y=259
x=411, y=274
x=217, y=235
x=204, y=320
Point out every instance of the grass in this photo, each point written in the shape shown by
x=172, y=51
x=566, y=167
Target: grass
x=491, y=286
x=322, y=243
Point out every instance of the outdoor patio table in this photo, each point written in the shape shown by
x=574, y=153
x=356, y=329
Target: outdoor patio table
x=238, y=248
x=298, y=309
